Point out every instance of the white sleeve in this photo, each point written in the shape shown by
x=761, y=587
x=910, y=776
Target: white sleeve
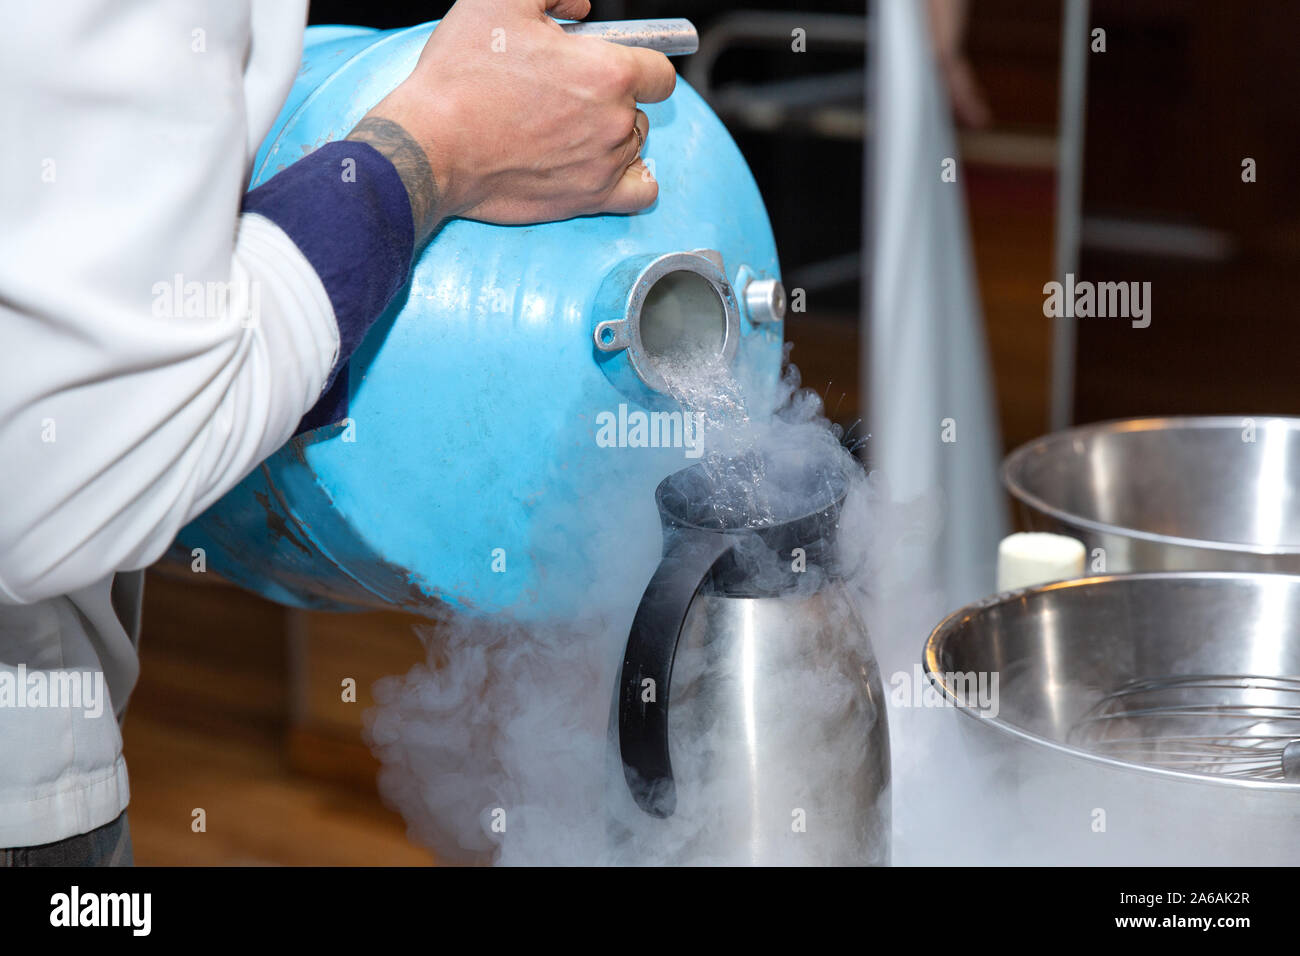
x=155, y=345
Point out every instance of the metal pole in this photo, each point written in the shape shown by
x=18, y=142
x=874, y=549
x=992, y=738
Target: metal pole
x=866, y=314
x=671, y=37
x=1069, y=199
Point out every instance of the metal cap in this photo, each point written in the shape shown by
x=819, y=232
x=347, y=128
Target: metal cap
x=765, y=301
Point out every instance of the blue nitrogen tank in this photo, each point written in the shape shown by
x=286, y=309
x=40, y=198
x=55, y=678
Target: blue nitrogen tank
x=475, y=402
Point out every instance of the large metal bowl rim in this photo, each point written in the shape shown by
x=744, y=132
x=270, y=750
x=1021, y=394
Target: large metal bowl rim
x=1012, y=463
x=949, y=626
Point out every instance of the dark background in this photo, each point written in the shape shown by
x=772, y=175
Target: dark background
x=1184, y=93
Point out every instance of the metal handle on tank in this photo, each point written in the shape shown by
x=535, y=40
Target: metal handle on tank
x=671, y=37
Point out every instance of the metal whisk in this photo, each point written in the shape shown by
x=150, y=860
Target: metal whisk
x=1230, y=725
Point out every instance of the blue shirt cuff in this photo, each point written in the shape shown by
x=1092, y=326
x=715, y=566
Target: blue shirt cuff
x=345, y=207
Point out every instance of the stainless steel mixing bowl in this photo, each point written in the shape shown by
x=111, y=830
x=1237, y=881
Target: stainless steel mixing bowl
x=1059, y=648
x=1167, y=494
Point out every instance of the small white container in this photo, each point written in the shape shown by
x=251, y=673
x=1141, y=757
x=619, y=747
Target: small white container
x=1030, y=558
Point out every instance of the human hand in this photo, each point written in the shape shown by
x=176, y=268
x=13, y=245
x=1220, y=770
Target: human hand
x=508, y=119
x=947, y=28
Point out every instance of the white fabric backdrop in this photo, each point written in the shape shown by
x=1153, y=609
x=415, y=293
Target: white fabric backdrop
x=925, y=361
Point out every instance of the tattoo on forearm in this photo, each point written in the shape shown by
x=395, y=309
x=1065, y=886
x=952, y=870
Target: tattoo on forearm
x=411, y=163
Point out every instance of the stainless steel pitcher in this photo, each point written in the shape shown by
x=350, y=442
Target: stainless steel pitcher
x=750, y=715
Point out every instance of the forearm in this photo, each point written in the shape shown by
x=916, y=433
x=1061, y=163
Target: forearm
x=395, y=144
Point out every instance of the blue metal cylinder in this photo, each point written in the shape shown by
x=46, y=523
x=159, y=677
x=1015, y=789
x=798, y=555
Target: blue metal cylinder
x=474, y=403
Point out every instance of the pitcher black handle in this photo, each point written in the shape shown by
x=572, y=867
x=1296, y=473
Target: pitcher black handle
x=651, y=648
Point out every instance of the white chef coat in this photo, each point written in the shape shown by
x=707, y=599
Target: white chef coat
x=129, y=130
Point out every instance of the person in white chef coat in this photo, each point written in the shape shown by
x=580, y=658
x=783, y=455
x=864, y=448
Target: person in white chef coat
x=130, y=131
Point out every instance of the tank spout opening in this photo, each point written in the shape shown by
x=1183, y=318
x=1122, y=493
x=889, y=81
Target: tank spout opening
x=679, y=312
x=683, y=319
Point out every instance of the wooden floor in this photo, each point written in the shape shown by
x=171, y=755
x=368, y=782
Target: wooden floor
x=213, y=725
x=258, y=810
